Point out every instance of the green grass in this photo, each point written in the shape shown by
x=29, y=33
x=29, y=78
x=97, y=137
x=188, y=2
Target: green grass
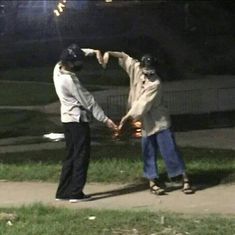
x=34, y=85
x=92, y=73
x=38, y=220
x=30, y=93
x=118, y=163
x=21, y=93
x=36, y=74
x=15, y=123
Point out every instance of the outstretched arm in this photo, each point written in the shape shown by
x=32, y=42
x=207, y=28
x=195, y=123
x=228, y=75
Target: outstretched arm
x=143, y=104
x=91, y=52
x=115, y=54
x=129, y=64
x=87, y=101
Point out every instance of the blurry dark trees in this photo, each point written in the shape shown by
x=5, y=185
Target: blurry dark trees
x=9, y=15
x=188, y=37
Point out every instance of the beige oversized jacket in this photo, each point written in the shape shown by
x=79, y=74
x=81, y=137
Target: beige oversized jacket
x=145, y=98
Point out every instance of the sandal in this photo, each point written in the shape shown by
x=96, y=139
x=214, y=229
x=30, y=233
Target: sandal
x=187, y=188
x=155, y=189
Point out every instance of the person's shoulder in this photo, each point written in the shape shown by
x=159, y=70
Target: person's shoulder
x=57, y=67
x=156, y=82
x=156, y=77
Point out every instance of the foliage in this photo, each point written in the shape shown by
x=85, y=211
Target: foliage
x=38, y=219
x=23, y=94
x=118, y=163
x=15, y=123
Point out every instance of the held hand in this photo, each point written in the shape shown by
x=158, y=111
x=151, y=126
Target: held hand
x=123, y=120
x=105, y=59
x=111, y=124
x=99, y=57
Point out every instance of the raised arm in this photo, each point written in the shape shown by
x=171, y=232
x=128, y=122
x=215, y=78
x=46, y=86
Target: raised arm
x=116, y=54
x=87, y=101
x=91, y=52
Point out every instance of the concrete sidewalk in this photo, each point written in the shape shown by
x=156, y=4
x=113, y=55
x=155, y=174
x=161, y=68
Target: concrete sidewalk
x=219, y=199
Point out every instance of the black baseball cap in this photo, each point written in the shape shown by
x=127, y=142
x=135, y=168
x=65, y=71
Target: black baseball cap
x=72, y=53
x=148, y=61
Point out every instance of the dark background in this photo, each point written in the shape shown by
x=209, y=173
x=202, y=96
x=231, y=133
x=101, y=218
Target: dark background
x=188, y=37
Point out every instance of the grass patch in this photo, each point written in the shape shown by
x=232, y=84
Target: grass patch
x=38, y=219
x=36, y=74
x=92, y=73
x=118, y=163
x=21, y=94
x=15, y=123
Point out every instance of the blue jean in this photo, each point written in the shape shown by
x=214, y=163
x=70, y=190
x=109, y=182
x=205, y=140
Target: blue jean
x=164, y=142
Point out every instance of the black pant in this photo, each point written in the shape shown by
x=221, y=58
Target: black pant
x=75, y=165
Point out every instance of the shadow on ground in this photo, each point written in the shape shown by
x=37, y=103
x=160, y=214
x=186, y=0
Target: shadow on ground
x=199, y=182
x=132, y=188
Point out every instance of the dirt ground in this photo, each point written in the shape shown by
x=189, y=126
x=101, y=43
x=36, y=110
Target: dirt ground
x=218, y=199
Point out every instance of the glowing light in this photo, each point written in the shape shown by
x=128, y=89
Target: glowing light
x=60, y=7
x=108, y=0
x=137, y=129
x=137, y=135
x=56, y=12
x=137, y=124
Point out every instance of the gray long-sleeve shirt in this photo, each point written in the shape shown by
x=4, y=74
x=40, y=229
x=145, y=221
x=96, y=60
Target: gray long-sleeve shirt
x=77, y=104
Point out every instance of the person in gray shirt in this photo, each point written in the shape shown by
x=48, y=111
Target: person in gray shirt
x=77, y=107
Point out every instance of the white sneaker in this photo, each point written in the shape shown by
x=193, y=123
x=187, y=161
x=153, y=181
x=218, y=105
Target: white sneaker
x=80, y=199
x=61, y=199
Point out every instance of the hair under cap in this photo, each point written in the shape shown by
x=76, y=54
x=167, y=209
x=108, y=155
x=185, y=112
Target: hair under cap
x=72, y=54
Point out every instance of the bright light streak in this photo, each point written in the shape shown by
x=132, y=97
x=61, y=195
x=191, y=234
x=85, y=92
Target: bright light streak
x=56, y=12
x=108, y=0
x=60, y=6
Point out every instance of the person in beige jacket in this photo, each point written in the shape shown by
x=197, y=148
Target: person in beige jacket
x=145, y=103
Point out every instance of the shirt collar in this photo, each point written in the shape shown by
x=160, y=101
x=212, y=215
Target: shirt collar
x=148, y=72
x=63, y=71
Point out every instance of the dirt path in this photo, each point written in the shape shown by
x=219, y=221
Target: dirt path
x=219, y=199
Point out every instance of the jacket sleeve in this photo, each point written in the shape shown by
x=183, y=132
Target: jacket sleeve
x=145, y=101
x=130, y=65
x=87, y=101
x=126, y=62
x=88, y=51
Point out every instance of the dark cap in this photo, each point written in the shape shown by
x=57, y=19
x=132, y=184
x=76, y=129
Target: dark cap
x=72, y=54
x=148, y=61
